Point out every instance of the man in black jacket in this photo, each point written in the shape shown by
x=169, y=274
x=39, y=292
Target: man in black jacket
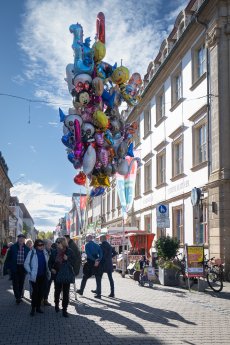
x=15, y=262
x=106, y=262
x=77, y=255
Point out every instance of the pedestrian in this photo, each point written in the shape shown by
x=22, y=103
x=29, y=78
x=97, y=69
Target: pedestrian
x=6, y=263
x=36, y=265
x=92, y=266
x=61, y=264
x=107, y=263
x=48, y=282
x=15, y=259
x=77, y=255
x=29, y=243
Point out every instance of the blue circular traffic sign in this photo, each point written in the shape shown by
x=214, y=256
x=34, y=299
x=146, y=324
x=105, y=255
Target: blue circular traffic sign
x=162, y=209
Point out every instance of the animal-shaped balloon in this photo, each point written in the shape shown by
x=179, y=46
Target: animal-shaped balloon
x=69, y=120
x=100, y=120
x=120, y=75
x=103, y=156
x=87, y=132
x=83, y=54
x=99, y=138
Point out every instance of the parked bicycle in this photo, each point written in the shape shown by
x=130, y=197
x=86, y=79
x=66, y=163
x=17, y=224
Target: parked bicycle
x=181, y=270
x=214, y=271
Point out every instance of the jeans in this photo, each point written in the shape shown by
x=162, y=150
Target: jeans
x=57, y=291
x=37, y=292
x=18, y=279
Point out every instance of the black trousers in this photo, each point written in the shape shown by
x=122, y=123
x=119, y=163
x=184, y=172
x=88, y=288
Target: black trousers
x=98, y=283
x=38, y=291
x=18, y=279
x=57, y=291
x=47, y=288
x=111, y=282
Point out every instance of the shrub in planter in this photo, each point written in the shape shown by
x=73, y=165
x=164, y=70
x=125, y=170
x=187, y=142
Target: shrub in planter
x=167, y=248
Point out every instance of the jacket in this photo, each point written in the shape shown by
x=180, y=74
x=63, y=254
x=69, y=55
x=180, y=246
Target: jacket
x=52, y=258
x=108, y=254
x=77, y=257
x=11, y=258
x=31, y=265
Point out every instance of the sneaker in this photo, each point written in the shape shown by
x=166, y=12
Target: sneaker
x=46, y=303
x=94, y=291
x=97, y=296
x=80, y=292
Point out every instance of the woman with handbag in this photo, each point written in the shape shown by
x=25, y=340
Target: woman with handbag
x=61, y=264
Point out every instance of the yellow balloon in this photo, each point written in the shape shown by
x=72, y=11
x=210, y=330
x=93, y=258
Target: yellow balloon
x=99, y=51
x=100, y=119
x=100, y=180
x=120, y=75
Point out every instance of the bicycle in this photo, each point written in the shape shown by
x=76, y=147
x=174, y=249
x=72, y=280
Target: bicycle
x=181, y=271
x=214, y=271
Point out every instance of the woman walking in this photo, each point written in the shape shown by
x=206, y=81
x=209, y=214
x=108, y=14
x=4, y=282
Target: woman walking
x=36, y=265
x=61, y=264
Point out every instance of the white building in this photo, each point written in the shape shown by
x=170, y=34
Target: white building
x=16, y=219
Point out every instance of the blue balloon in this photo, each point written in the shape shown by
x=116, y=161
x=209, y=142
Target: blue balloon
x=68, y=140
x=130, y=151
x=97, y=191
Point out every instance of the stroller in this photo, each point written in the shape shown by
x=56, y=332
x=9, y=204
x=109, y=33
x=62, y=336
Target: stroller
x=147, y=276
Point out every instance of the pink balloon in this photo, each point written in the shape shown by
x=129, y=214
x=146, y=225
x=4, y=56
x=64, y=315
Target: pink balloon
x=99, y=138
x=79, y=150
x=77, y=131
x=103, y=156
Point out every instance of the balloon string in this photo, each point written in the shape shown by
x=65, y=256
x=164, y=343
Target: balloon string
x=29, y=114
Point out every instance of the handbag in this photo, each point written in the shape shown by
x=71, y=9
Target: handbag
x=66, y=274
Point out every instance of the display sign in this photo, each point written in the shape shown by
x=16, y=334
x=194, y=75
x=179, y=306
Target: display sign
x=163, y=216
x=194, y=259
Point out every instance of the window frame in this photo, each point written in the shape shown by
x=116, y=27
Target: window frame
x=196, y=142
x=159, y=156
x=138, y=184
x=201, y=212
x=147, y=120
x=160, y=105
x=176, y=92
x=198, y=76
x=176, y=143
x=175, y=210
x=148, y=186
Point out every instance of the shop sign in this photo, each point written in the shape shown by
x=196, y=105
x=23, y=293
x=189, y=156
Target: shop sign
x=194, y=258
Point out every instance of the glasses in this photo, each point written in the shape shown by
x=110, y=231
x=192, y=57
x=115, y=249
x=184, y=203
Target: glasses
x=40, y=244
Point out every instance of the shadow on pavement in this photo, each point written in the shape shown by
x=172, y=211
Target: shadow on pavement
x=139, y=310
x=18, y=327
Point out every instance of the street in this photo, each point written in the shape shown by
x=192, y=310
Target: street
x=138, y=315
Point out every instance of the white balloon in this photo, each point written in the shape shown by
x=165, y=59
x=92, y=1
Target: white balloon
x=89, y=160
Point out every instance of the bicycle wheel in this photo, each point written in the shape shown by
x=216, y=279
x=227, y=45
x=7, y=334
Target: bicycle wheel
x=215, y=281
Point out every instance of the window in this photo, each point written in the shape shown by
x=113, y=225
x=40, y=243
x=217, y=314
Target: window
x=161, y=232
x=148, y=176
x=177, y=159
x=138, y=223
x=118, y=205
x=200, y=142
x=160, y=105
x=161, y=167
x=138, y=184
x=201, y=225
x=148, y=223
x=198, y=61
x=113, y=199
x=136, y=139
x=178, y=228
x=176, y=86
x=103, y=206
x=108, y=202
x=147, y=120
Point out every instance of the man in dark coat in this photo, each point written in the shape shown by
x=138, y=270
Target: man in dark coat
x=15, y=259
x=106, y=262
x=77, y=255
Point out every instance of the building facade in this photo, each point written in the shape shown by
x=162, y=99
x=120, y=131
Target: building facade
x=183, y=135
x=5, y=185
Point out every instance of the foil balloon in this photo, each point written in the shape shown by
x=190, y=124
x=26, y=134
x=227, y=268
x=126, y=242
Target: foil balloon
x=122, y=149
x=120, y=75
x=87, y=132
x=108, y=137
x=103, y=156
x=123, y=167
x=100, y=119
x=77, y=131
x=98, y=86
x=130, y=150
x=69, y=77
x=68, y=140
x=100, y=180
x=100, y=27
x=80, y=178
x=69, y=119
x=78, y=150
x=99, y=138
x=97, y=191
x=89, y=160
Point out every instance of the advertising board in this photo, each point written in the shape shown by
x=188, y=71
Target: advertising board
x=194, y=258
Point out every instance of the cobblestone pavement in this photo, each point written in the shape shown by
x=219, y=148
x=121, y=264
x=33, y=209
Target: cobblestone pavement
x=138, y=315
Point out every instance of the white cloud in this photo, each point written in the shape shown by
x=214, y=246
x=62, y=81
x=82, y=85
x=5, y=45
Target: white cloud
x=134, y=32
x=44, y=205
x=33, y=149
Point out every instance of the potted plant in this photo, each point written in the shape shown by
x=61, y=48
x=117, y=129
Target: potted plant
x=167, y=248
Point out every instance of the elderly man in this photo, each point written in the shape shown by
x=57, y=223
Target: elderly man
x=15, y=261
x=92, y=267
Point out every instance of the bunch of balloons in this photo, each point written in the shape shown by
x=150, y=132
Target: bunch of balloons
x=94, y=132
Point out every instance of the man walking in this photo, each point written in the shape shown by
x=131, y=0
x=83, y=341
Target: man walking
x=92, y=265
x=107, y=263
x=15, y=261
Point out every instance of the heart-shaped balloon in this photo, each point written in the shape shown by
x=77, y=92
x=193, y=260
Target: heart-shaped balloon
x=80, y=178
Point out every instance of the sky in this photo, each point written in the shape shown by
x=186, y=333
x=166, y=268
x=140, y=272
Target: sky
x=35, y=49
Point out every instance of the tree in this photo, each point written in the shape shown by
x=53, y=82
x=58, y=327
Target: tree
x=26, y=229
x=42, y=235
